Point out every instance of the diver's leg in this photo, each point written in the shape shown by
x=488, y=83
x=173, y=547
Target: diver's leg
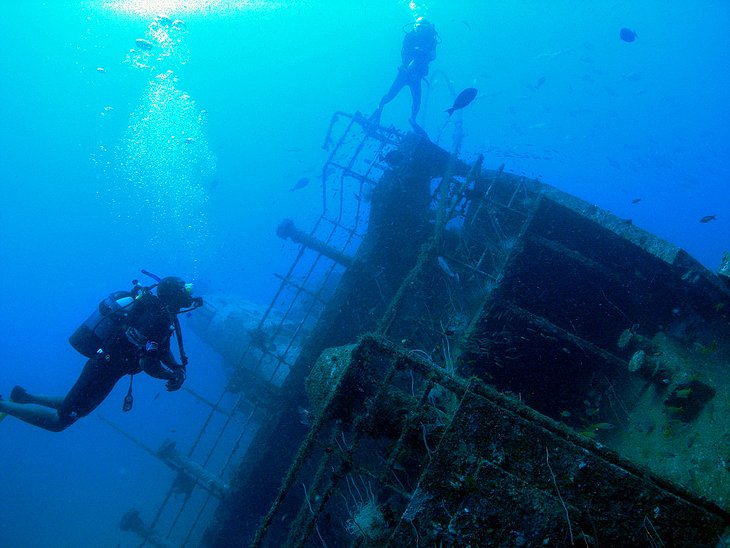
x=33, y=414
x=92, y=387
x=397, y=85
x=415, y=87
x=21, y=395
x=415, y=107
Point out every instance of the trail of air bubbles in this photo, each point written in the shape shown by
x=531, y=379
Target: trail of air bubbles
x=163, y=162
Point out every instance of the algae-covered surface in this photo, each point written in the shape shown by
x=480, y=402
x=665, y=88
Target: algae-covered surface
x=682, y=431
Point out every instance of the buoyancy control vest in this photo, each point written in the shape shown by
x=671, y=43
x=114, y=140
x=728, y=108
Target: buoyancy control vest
x=108, y=317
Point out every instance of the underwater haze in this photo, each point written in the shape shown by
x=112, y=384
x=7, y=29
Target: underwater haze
x=181, y=159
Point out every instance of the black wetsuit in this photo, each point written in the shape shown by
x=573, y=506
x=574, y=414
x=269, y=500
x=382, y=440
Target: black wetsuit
x=419, y=49
x=149, y=322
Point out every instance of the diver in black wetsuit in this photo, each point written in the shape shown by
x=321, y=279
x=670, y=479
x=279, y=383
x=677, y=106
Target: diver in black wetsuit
x=419, y=49
x=131, y=336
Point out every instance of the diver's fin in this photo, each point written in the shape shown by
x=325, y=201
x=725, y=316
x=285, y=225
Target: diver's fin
x=418, y=130
x=20, y=395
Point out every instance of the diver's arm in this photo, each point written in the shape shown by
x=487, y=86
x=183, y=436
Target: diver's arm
x=154, y=368
x=171, y=371
x=168, y=359
x=179, y=372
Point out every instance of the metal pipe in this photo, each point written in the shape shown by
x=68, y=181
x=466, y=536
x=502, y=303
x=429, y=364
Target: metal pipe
x=207, y=480
x=287, y=229
x=131, y=521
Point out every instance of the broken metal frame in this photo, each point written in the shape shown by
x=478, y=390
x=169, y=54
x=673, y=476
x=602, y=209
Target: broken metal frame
x=494, y=208
x=498, y=209
x=429, y=416
x=365, y=165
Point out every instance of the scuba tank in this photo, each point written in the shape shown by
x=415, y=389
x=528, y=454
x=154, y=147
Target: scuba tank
x=101, y=324
x=112, y=313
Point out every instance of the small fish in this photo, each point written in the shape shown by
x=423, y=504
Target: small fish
x=301, y=183
x=635, y=200
x=628, y=35
x=143, y=44
x=708, y=218
x=462, y=100
x=445, y=267
x=102, y=70
x=305, y=416
x=539, y=83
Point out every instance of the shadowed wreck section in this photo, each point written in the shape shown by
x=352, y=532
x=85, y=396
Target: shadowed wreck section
x=496, y=362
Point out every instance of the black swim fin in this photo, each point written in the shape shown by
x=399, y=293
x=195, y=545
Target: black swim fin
x=418, y=130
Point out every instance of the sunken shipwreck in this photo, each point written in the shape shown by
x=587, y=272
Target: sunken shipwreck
x=460, y=356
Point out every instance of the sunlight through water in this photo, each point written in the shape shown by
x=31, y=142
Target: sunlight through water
x=182, y=7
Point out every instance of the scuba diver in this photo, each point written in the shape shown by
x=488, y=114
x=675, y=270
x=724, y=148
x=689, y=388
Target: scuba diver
x=419, y=49
x=129, y=332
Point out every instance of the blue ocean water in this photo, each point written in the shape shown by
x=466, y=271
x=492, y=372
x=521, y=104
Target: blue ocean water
x=113, y=160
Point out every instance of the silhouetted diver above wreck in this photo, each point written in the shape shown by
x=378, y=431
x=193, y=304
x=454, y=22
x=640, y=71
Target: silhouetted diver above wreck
x=481, y=359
